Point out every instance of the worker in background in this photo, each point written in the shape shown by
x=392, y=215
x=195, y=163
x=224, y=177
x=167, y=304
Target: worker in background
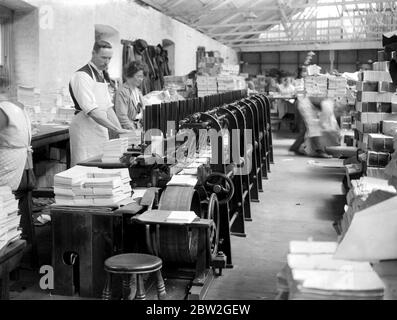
x=286, y=107
x=15, y=139
x=316, y=122
x=129, y=102
x=251, y=87
x=94, y=114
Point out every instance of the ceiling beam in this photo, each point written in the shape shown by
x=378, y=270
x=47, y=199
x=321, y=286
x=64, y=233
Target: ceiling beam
x=346, y=45
x=272, y=22
x=292, y=6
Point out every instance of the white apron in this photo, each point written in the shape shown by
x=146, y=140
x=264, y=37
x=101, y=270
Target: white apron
x=87, y=137
x=14, y=146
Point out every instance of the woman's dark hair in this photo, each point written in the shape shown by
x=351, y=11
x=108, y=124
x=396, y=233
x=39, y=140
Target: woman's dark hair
x=133, y=68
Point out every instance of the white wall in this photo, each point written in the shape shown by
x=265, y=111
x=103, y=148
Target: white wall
x=62, y=33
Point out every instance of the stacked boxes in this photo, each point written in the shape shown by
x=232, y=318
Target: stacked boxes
x=316, y=86
x=376, y=118
x=206, y=86
x=336, y=87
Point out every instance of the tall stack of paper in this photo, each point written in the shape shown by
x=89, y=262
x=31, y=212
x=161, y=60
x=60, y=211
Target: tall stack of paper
x=114, y=149
x=9, y=218
x=313, y=273
x=91, y=186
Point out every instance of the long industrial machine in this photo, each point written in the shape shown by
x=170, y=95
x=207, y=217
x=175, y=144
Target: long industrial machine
x=207, y=155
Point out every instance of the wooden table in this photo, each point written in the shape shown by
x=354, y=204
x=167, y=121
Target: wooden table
x=93, y=234
x=49, y=134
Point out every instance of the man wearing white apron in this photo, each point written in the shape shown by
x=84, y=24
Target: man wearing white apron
x=94, y=113
x=15, y=138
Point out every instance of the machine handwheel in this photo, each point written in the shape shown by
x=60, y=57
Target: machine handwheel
x=221, y=185
x=213, y=214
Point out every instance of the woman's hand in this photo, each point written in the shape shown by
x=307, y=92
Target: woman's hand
x=121, y=131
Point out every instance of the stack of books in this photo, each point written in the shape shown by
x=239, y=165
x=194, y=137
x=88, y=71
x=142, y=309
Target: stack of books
x=376, y=116
x=312, y=273
x=114, y=149
x=9, y=218
x=91, y=186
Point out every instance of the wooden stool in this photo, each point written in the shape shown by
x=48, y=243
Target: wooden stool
x=129, y=265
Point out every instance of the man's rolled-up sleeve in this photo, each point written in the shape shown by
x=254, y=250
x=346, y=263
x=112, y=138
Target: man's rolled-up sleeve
x=83, y=90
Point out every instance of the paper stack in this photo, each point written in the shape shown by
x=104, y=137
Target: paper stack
x=134, y=137
x=316, y=85
x=114, y=149
x=312, y=273
x=91, y=186
x=181, y=217
x=337, y=86
x=375, y=100
x=9, y=218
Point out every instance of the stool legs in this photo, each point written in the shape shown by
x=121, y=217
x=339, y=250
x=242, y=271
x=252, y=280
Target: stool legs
x=132, y=287
x=126, y=286
x=160, y=286
x=107, y=291
x=140, y=294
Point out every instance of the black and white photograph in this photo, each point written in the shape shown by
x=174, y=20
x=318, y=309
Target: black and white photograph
x=207, y=156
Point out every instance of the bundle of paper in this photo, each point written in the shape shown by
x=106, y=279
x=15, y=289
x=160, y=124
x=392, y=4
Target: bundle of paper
x=95, y=186
x=380, y=142
x=114, y=149
x=373, y=172
x=381, y=66
x=316, y=86
x=375, y=117
x=183, y=180
x=374, y=76
x=181, y=216
x=389, y=127
x=380, y=86
x=367, y=96
x=9, y=217
x=312, y=272
x=367, y=127
x=134, y=137
x=384, y=107
x=378, y=159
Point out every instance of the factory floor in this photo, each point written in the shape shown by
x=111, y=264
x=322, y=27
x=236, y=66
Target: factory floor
x=299, y=201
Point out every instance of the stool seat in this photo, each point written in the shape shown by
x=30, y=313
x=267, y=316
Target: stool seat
x=133, y=263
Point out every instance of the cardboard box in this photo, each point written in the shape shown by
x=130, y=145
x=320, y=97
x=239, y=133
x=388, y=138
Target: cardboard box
x=380, y=142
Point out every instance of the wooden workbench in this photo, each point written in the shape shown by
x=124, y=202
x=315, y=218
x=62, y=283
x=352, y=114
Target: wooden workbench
x=49, y=134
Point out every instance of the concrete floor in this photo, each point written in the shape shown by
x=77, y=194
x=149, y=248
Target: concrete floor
x=299, y=201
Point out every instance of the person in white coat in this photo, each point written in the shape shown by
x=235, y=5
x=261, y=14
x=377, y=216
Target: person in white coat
x=15, y=139
x=94, y=113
